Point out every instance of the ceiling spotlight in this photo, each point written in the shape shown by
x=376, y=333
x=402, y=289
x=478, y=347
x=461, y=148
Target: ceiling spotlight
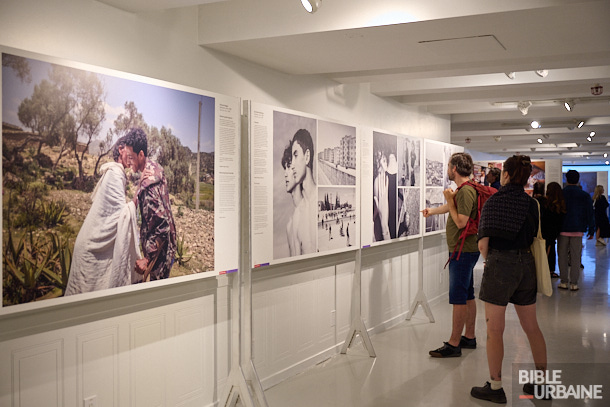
x=607, y=162
x=589, y=138
x=535, y=124
x=539, y=141
x=510, y=75
x=569, y=105
x=542, y=73
x=311, y=5
x=524, y=106
x=605, y=155
x=592, y=134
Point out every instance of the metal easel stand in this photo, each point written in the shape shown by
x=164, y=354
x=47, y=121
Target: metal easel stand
x=420, y=297
x=357, y=326
x=243, y=383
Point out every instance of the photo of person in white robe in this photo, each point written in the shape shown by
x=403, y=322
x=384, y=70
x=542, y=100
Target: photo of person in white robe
x=107, y=247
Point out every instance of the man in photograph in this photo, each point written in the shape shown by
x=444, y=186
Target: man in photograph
x=302, y=168
x=296, y=192
x=158, y=231
x=461, y=205
x=105, y=250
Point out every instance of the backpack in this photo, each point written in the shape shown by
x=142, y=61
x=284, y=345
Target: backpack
x=472, y=226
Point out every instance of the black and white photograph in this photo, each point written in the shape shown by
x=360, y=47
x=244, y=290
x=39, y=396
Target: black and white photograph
x=435, y=198
x=435, y=165
x=295, y=193
x=337, y=228
x=448, y=150
x=409, y=152
x=385, y=171
x=409, y=216
x=337, y=161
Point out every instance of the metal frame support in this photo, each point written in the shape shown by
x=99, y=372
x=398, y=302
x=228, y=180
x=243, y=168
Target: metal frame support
x=420, y=297
x=243, y=383
x=357, y=326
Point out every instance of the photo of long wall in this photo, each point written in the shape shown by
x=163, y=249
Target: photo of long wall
x=99, y=181
x=337, y=159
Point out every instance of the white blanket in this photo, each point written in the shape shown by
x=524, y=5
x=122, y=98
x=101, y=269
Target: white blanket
x=107, y=246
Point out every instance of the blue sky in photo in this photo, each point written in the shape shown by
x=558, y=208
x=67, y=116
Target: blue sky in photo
x=160, y=106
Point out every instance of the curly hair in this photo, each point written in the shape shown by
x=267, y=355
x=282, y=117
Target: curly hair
x=136, y=139
x=463, y=163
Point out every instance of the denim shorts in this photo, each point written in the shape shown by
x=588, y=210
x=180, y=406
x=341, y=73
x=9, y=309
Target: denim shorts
x=461, y=280
x=509, y=276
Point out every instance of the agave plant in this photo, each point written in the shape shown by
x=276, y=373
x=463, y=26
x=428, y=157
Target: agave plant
x=181, y=252
x=26, y=260
x=53, y=213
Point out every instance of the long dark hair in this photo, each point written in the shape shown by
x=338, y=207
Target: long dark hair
x=554, y=198
x=519, y=168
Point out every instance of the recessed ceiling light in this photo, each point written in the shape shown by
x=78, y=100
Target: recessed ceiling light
x=539, y=141
x=589, y=138
x=581, y=123
x=569, y=105
x=592, y=134
x=535, y=124
x=605, y=155
x=607, y=162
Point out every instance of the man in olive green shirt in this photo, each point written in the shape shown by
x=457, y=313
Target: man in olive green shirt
x=461, y=205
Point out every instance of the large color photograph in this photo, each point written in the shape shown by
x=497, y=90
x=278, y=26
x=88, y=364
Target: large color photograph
x=107, y=182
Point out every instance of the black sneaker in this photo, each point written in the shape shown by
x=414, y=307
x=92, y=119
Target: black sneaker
x=486, y=393
x=530, y=388
x=467, y=343
x=446, y=351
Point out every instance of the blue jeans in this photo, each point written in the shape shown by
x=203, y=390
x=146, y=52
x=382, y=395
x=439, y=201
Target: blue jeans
x=461, y=279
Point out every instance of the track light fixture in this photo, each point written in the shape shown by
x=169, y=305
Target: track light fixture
x=524, y=106
x=592, y=134
x=510, y=75
x=607, y=162
x=539, y=141
x=581, y=123
x=542, y=73
x=589, y=139
x=605, y=155
x=569, y=105
x=535, y=124
x=311, y=5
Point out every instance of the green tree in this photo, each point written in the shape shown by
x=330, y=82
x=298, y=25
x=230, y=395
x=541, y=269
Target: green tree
x=19, y=64
x=45, y=110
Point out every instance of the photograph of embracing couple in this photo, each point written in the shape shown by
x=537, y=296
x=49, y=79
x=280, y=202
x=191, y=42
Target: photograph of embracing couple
x=107, y=181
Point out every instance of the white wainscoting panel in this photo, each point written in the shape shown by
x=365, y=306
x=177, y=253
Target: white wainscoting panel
x=97, y=362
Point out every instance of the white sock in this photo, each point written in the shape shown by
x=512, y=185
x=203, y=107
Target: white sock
x=496, y=384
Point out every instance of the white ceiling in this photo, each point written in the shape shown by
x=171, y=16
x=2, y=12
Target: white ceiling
x=443, y=56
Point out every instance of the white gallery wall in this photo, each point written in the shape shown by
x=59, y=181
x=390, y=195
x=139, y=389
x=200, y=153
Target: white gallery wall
x=169, y=346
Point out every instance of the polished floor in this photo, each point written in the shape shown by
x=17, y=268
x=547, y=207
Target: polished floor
x=576, y=326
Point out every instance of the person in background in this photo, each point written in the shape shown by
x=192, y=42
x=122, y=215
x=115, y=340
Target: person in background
x=600, y=204
x=493, y=177
x=553, y=212
x=509, y=222
x=578, y=220
x=538, y=192
x=461, y=205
